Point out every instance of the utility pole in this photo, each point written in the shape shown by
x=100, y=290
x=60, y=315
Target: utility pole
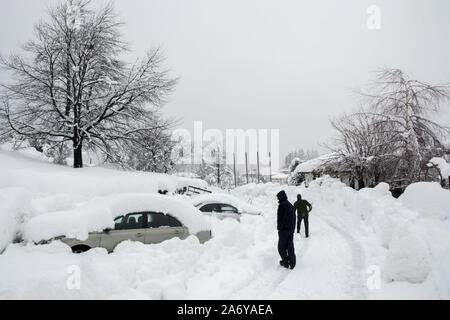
x=234, y=167
x=257, y=156
x=218, y=167
x=246, y=165
x=270, y=166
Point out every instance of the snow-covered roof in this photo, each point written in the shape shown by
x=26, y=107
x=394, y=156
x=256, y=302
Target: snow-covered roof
x=315, y=164
x=278, y=175
x=98, y=214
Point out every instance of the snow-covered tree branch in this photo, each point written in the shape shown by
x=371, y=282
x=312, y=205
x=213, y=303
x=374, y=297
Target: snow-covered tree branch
x=394, y=135
x=71, y=84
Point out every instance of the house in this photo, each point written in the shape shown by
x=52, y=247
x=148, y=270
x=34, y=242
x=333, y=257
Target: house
x=265, y=176
x=280, y=177
x=312, y=169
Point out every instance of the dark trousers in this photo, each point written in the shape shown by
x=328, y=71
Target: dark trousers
x=299, y=222
x=286, y=247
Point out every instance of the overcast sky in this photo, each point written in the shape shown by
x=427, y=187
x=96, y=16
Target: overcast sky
x=270, y=64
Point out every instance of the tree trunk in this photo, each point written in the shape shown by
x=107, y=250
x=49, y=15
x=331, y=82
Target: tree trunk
x=78, y=154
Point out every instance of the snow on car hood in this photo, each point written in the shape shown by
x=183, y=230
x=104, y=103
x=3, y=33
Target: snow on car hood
x=99, y=214
x=241, y=205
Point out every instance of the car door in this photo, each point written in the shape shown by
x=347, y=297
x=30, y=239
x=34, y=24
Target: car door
x=130, y=227
x=162, y=227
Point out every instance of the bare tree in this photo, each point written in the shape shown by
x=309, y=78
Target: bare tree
x=148, y=151
x=365, y=147
x=404, y=106
x=393, y=137
x=73, y=87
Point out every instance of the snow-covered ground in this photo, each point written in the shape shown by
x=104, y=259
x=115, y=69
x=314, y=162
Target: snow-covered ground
x=353, y=234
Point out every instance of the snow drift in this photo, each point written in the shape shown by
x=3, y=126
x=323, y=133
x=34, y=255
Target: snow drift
x=31, y=186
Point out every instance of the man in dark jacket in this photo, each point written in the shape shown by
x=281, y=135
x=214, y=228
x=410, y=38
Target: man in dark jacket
x=286, y=228
x=303, y=208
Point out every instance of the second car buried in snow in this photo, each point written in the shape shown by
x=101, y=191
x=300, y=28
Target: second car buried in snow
x=224, y=206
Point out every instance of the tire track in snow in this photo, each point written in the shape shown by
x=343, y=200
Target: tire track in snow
x=299, y=255
x=327, y=269
x=330, y=265
x=270, y=279
x=358, y=258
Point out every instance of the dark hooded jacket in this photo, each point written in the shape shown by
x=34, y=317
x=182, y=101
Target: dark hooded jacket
x=302, y=206
x=285, y=214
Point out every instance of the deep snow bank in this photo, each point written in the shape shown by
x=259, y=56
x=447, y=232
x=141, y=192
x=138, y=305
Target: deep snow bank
x=17, y=170
x=428, y=199
x=30, y=186
x=407, y=238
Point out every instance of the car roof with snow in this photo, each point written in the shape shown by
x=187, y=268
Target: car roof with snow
x=99, y=213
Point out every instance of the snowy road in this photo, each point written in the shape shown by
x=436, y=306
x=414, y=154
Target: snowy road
x=328, y=267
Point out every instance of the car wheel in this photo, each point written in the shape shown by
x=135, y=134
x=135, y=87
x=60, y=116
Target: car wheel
x=80, y=249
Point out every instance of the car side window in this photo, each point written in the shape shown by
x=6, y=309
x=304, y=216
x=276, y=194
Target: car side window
x=212, y=207
x=157, y=220
x=119, y=223
x=132, y=221
x=173, y=222
x=228, y=209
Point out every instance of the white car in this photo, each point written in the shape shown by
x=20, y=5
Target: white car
x=146, y=227
x=219, y=210
x=106, y=222
x=224, y=206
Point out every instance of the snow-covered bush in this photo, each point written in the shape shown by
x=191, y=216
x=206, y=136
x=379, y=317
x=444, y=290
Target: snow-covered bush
x=429, y=199
x=408, y=258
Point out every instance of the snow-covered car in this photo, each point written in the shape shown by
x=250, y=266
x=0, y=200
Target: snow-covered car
x=224, y=206
x=106, y=222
